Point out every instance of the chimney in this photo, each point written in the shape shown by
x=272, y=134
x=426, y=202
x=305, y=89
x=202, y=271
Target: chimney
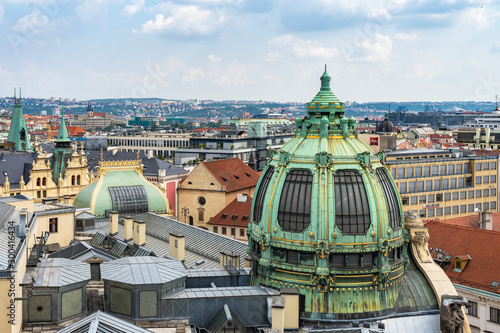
x=278, y=313
x=291, y=297
x=128, y=229
x=229, y=259
x=241, y=198
x=177, y=246
x=150, y=154
x=162, y=173
x=113, y=223
x=139, y=232
x=487, y=220
x=23, y=220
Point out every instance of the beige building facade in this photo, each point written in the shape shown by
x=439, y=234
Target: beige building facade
x=443, y=184
x=154, y=143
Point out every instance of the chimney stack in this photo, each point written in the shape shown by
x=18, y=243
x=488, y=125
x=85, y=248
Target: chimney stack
x=177, y=246
x=241, y=197
x=487, y=220
x=23, y=220
x=113, y=223
x=139, y=232
x=278, y=313
x=128, y=229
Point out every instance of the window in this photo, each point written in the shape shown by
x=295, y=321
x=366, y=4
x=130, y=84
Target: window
x=430, y=198
x=40, y=308
x=394, y=214
x=451, y=169
x=38, y=194
x=430, y=212
x=463, y=208
x=261, y=194
x=493, y=192
x=418, y=172
x=437, y=184
x=200, y=215
x=486, y=166
x=414, y=200
x=44, y=194
x=402, y=187
x=439, y=197
x=470, y=194
x=401, y=172
x=447, y=197
x=443, y=170
x=352, y=211
x=120, y=301
x=466, y=168
x=411, y=187
x=421, y=199
x=447, y=210
x=71, y=303
x=460, y=182
x=470, y=208
x=435, y=170
x=292, y=257
x=224, y=230
x=493, y=205
x=486, y=192
x=439, y=211
x=486, y=206
x=495, y=315
x=44, y=181
x=420, y=186
x=428, y=185
x=478, y=193
x=294, y=211
x=493, y=165
x=486, y=179
x=38, y=182
x=53, y=224
x=455, y=195
x=73, y=180
x=233, y=232
x=459, y=168
x=242, y=232
x=409, y=172
x=472, y=309
x=468, y=181
x=216, y=229
x=129, y=199
x=422, y=213
x=455, y=210
x=444, y=184
x=453, y=183
x=405, y=201
x=493, y=179
x=478, y=166
x=202, y=201
x=427, y=170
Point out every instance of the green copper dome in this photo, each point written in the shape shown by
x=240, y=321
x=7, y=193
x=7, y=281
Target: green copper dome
x=327, y=219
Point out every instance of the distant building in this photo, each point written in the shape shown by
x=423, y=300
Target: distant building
x=444, y=184
x=232, y=220
x=18, y=139
x=159, y=144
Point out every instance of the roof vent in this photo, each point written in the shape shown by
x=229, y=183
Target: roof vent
x=494, y=285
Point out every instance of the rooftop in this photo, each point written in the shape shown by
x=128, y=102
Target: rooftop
x=58, y=272
x=232, y=173
x=235, y=214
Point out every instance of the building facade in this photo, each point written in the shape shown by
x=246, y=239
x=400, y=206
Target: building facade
x=444, y=184
x=159, y=144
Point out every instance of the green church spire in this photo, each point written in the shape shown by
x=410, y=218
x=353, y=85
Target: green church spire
x=62, y=152
x=63, y=132
x=18, y=132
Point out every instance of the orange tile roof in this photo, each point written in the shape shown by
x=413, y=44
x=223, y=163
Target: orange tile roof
x=232, y=173
x=471, y=221
x=481, y=245
x=233, y=214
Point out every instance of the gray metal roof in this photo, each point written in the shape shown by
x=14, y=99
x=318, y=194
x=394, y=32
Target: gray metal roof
x=8, y=214
x=16, y=165
x=143, y=270
x=102, y=322
x=222, y=292
x=85, y=216
x=413, y=324
x=83, y=251
x=215, y=272
x=58, y=272
x=117, y=247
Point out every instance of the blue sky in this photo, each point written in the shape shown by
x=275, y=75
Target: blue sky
x=393, y=50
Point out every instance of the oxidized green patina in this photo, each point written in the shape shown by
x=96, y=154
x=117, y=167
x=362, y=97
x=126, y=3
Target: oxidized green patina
x=62, y=153
x=339, y=275
x=18, y=132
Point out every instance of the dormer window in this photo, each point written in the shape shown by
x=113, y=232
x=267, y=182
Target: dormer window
x=461, y=262
x=224, y=216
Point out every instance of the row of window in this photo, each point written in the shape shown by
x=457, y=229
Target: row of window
x=434, y=212
x=443, y=184
x=233, y=231
x=472, y=309
x=439, y=170
x=438, y=197
x=149, y=143
x=352, y=210
x=75, y=180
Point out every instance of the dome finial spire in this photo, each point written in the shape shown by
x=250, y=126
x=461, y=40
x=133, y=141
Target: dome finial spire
x=325, y=81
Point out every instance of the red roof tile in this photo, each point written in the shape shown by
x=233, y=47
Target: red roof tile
x=481, y=245
x=234, y=214
x=232, y=173
x=471, y=221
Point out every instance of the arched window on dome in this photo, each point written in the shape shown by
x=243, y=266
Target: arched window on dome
x=294, y=212
x=261, y=194
x=352, y=211
x=391, y=200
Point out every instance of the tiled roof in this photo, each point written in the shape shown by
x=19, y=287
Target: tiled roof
x=234, y=214
x=232, y=173
x=481, y=245
x=471, y=221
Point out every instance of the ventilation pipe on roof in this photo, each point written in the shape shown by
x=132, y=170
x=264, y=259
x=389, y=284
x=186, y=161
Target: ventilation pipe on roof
x=139, y=232
x=128, y=229
x=177, y=246
x=113, y=223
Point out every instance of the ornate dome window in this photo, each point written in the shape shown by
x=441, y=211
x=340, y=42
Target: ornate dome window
x=294, y=212
x=352, y=211
x=390, y=199
x=261, y=194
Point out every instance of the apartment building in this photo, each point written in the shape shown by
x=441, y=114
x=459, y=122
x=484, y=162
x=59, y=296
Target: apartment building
x=153, y=142
x=444, y=183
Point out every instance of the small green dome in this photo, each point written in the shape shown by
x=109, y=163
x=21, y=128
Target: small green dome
x=123, y=190
x=327, y=218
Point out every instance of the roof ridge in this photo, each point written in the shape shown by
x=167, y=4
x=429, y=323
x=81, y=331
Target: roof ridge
x=461, y=227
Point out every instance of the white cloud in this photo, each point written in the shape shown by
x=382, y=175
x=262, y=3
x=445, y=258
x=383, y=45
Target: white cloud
x=369, y=50
x=91, y=9
x=134, y=7
x=273, y=56
x=301, y=48
x=185, y=20
x=232, y=74
x=192, y=74
x=213, y=58
x=406, y=37
x=31, y=25
x=481, y=18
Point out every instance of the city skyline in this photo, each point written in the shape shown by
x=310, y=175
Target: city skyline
x=250, y=50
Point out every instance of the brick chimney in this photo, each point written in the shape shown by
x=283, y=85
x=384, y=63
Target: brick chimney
x=113, y=223
x=177, y=246
x=139, y=232
x=128, y=229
